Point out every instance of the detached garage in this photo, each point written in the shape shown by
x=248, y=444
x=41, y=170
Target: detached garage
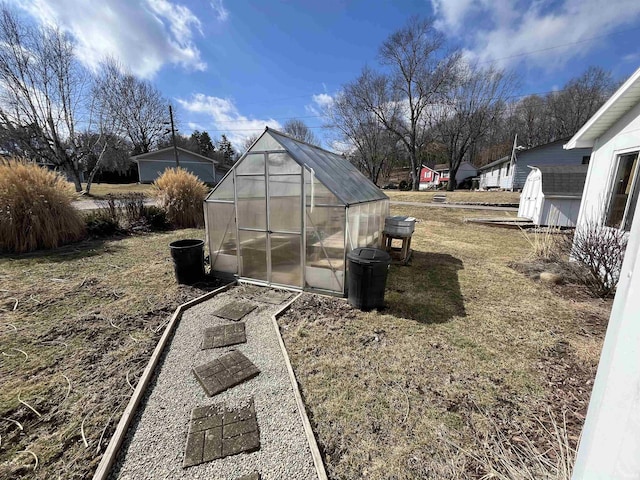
x=552, y=195
x=152, y=164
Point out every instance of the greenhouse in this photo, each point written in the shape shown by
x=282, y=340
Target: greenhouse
x=288, y=213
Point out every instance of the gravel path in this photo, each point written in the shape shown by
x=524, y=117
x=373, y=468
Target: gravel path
x=154, y=446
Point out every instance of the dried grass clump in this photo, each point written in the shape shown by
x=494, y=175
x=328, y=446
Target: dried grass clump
x=36, y=210
x=182, y=195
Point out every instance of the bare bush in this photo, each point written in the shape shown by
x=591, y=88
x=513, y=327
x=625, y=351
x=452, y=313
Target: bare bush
x=601, y=250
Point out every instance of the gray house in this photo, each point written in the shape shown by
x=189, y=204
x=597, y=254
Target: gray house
x=508, y=175
x=152, y=164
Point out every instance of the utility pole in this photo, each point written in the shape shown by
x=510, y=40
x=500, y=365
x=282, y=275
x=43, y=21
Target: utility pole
x=173, y=137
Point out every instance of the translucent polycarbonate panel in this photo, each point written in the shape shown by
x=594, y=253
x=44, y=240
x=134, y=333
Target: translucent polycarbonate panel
x=279, y=163
x=224, y=190
x=286, y=264
x=266, y=142
x=324, y=258
x=221, y=228
x=253, y=254
x=353, y=213
x=252, y=205
x=253, y=163
x=363, y=230
x=285, y=203
x=375, y=223
x=316, y=193
x=336, y=173
x=325, y=235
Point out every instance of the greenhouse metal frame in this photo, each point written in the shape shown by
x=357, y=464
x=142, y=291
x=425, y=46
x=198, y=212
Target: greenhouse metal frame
x=287, y=214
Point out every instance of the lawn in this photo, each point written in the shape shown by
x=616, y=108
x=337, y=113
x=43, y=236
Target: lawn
x=78, y=325
x=101, y=190
x=458, y=196
x=469, y=361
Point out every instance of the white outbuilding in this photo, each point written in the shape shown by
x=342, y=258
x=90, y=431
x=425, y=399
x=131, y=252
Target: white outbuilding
x=552, y=194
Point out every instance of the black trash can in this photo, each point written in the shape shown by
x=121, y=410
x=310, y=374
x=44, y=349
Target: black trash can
x=188, y=260
x=367, y=277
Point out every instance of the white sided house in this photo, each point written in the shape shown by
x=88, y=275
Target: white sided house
x=552, y=194
x=497, y=174
x=610, y=442
x=512, y=175
x=151, y=165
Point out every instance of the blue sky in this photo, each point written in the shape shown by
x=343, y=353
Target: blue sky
x=234, y=67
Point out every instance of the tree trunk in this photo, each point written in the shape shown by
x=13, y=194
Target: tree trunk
x=74, y=173
x=95, y=168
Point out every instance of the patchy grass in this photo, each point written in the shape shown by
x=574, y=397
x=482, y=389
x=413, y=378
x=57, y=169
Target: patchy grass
x=458, y=196
x=470, y=362
x=78, y=325
x=101, y=190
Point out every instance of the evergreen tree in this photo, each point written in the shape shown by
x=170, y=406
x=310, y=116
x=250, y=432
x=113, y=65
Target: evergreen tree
x=227, y=151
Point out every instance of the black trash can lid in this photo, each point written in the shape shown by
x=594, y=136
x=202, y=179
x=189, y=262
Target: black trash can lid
x=368, y=256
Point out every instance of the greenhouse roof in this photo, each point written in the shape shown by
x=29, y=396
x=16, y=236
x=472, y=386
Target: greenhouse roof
x=339, y=175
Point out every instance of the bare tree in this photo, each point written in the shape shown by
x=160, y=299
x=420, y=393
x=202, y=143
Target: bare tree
x=248, y=141
x=42, y=89
x=374, y=148
x=477, y=102
x=298, y=129
x=578, y=100
x=136, y=106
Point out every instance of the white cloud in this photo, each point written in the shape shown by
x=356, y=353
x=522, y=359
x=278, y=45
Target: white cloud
x=143, y=35
x=319, y=104
x=221, y=13
x=223, y=115
x=501, y=31
x=323, y=100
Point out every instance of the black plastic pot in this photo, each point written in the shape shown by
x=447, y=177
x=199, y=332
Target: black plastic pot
x=188, y=260
x=367, y=277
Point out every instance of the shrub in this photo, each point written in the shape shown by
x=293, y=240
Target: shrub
x=100, y=223
x=182, y=195
x=125, y=214
x=156, y=218
x=601, y=250
x=36, y=210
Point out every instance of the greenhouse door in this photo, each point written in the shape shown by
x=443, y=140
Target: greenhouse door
x=270, y=222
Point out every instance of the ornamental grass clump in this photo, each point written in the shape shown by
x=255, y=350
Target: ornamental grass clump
x=35, y=208
x=181, y=194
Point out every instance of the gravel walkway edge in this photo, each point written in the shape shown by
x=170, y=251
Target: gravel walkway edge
x=313, y=446
x=108, y=458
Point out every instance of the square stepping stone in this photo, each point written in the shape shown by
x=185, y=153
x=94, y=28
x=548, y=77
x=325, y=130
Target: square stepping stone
x=224, y=335
x=274, y=297
x=217, y=432
x=225, y=372
x=251, y=476
x=234, y=310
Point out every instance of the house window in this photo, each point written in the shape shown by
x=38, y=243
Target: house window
x=624, y=194
x=508, y=166
x=585, y=160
